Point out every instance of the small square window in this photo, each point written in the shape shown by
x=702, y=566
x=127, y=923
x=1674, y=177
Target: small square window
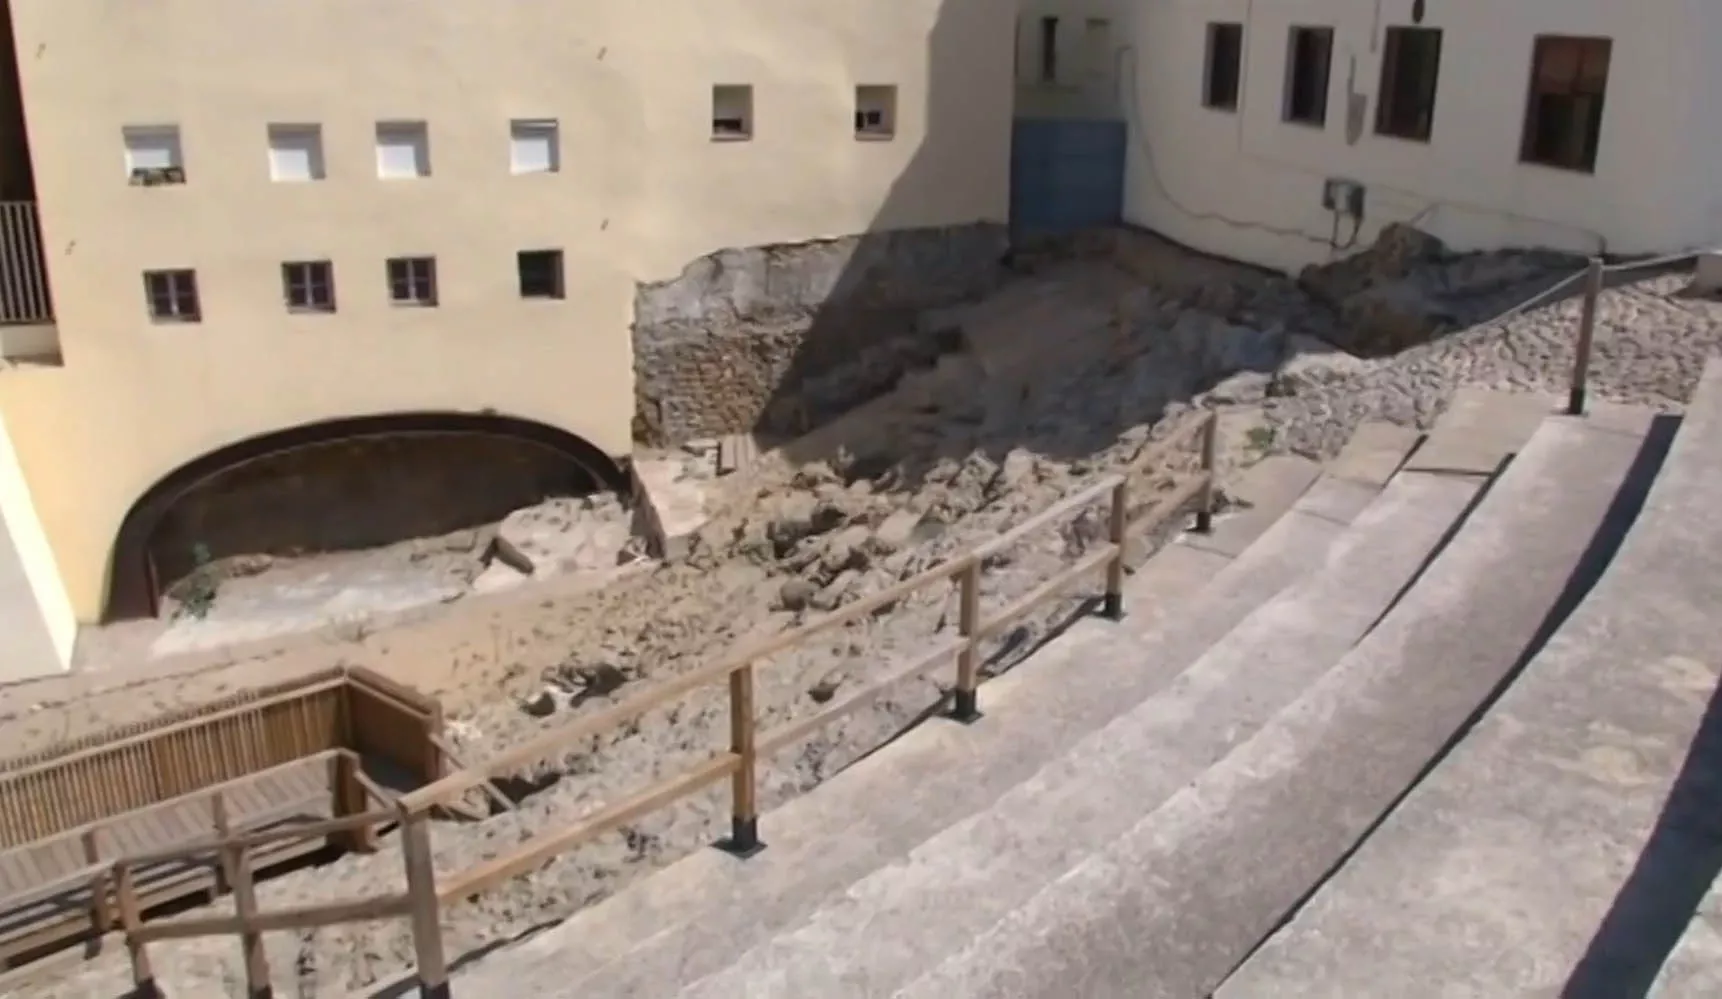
x=875, y=112
x=153, y=155
x=403, y=150
x=295, y=153
x=533, y=146
x=308, y=285
x=412, y=281
x=172, y=296
x=540, y=273
x=732, y=112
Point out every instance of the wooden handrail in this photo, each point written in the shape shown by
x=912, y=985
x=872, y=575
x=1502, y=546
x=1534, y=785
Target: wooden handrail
x=427, y=893
x=534, y=750
x=538, y=850
x=306, y=830
x=303, y=917
x=317, y=683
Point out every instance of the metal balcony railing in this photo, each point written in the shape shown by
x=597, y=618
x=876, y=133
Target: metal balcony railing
x=24, y=296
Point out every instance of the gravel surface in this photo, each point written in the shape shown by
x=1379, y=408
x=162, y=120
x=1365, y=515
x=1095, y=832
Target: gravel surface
x=797, y=541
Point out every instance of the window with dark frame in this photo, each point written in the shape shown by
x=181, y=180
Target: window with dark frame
x=1563, y=112
x=1049, y=50
x=732, y=111
x=1410, y=76
x=875, y=111
x=1223, y=77
x=412, y=280
x=172, y=296
x=308, y=285
x=540, y=273
x=1309, y=61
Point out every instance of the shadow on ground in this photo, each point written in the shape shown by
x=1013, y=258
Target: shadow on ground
x=1674, y=872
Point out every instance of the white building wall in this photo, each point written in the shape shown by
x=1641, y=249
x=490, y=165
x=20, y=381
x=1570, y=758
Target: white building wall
x=1247, y=185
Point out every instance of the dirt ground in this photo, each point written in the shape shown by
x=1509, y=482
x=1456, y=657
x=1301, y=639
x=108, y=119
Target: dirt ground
x=957, y=457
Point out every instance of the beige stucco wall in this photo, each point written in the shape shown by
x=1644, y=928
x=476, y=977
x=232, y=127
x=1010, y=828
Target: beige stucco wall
x=37, y=626
x=1086, y=43
x=1233, y=179
x=642, y=190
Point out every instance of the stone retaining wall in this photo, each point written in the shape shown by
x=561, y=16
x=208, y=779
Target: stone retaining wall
x=777, y=339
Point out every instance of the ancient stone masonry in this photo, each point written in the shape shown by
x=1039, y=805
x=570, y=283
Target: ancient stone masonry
x=1408, y=288
x=778, y=338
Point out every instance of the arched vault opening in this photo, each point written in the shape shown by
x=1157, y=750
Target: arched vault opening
x=343, y=485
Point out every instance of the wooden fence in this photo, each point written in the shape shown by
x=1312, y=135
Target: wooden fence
x=426, y=893
x=267, y=759
x=91, y=779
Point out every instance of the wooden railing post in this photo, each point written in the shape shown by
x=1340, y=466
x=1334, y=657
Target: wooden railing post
x=965, y=704
x=218, y=818
x=743, y=840
x=236, y=860
x=235, y=868
x=101, y=916
x=131, y=920
x=1586, y=336
x=426, y=907
x=1210, y=494
x=1113, y=608
x=347, y=780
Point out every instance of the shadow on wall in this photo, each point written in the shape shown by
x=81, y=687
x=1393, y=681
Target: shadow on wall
x=339, y=486
x=776, y=340
x=780, y=340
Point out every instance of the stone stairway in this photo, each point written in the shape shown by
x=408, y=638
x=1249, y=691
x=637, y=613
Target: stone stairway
x=1147, y=800
x=1569, y=844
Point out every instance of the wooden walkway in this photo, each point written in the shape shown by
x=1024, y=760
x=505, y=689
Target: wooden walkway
x=45, y=886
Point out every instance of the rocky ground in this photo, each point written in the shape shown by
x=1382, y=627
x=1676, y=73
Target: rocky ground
x=790, y=543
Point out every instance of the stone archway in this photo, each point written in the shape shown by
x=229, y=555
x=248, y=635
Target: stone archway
x=343, y=485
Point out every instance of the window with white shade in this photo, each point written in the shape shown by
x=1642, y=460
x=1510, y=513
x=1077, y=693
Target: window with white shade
x=295, y=152
x=153, y=155
x=533, y=146
x=403, y=150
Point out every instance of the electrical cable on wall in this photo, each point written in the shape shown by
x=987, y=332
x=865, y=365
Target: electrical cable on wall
x=1129, y=99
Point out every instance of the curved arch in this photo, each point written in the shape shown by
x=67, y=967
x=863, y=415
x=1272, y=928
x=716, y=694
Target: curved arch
x=132, y=590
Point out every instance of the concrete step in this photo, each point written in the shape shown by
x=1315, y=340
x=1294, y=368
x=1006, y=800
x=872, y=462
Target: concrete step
x=1566, y=846
x=902, y=919
x=683, y=922
x=1169, y=908
x=1482, y=428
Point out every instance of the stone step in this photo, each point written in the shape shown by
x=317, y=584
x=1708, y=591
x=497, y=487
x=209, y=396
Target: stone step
x=1194, y=886
x=1481, y=428
x=681, y=923
x=901, y=920
x=669, y=507
x=1566, y=845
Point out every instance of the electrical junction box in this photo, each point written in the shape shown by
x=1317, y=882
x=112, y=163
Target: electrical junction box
x=1343, y=196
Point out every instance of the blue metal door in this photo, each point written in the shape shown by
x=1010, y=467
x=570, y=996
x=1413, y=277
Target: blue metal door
x=1066, y=174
